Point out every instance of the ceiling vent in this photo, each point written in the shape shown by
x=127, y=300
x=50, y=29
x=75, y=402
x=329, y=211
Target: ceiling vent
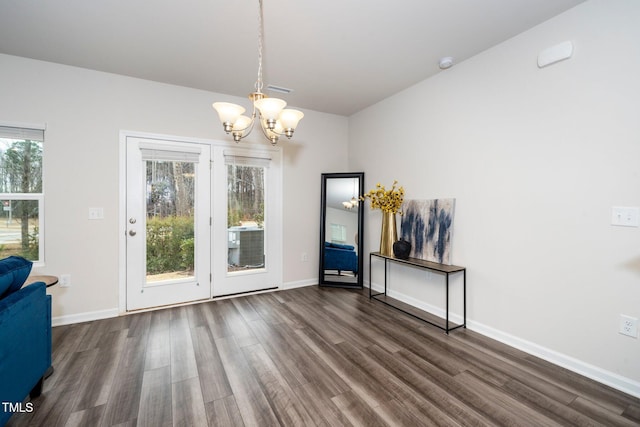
x=279, y=89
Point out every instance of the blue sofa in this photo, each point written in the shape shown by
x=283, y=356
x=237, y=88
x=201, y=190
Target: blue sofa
x=25, y=336
x=340, y=257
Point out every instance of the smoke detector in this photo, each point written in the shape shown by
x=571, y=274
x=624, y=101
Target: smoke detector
x=445, y=62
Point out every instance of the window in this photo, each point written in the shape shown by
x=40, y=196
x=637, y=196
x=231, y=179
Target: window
x=21, y=196
x=338, y=233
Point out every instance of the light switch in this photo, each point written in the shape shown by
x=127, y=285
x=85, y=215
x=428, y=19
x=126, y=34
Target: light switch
x=625, y=216
x=96, y=213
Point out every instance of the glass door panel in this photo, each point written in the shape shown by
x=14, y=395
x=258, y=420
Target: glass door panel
x=245, y=218
x=170, y=203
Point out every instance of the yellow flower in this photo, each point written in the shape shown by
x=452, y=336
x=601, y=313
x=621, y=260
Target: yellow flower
x=386, y=200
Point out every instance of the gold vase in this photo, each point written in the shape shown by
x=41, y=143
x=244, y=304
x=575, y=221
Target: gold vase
x=389, y=233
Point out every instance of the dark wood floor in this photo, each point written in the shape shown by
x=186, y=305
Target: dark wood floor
x=309, y=356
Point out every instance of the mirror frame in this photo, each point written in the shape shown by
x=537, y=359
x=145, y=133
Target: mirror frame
x=322, y=281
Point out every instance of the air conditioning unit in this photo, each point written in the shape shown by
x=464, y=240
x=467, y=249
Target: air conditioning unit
x=246, y=246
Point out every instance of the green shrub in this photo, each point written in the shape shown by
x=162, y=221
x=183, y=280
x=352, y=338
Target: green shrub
x=187, y=252
x=169, y=244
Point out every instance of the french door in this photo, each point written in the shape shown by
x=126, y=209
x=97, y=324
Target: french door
x=247, y=220
x=168, y=233
x=202, y=220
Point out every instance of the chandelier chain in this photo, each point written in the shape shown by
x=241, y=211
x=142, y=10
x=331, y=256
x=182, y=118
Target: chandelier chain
x=259, y=83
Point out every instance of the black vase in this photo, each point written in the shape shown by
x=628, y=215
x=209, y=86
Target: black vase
x=401, y=249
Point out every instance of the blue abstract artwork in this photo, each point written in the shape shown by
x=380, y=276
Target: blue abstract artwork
x=428, y=225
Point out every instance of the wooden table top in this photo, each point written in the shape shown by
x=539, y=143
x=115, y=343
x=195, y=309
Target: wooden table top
x=48, y=280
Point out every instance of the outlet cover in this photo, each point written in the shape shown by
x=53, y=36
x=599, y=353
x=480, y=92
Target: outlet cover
x=65, y=280
x=629, y=326
x=625, y=216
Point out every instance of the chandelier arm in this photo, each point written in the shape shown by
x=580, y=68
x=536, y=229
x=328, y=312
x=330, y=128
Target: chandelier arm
x=285, y=132
x=250, y=125
x=276, y=132
x=272, y=138
x=249, y=128
x=240, y=134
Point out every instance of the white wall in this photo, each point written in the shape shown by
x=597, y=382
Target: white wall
x=536, y=158
x=84, y=112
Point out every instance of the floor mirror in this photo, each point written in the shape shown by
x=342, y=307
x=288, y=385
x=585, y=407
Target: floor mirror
x=341, y=222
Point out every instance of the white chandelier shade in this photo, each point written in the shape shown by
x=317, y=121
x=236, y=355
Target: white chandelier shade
x=270, y=108
x=228, y=113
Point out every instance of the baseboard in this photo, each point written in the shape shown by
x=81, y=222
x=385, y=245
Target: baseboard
x=84, y=317
x=626, y=385
x=595, y=373
x=299, y=284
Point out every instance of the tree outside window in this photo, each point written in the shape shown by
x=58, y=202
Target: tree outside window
x=21, y=195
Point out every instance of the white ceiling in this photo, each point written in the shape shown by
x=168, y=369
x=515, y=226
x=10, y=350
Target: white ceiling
x=340, y=190
x=339, y=56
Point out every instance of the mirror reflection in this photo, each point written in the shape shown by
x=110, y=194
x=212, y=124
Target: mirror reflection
x=341, y=225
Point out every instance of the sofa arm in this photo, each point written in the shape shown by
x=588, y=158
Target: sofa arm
x=25, y=343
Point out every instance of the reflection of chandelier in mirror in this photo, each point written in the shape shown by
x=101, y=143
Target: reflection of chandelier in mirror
x=274, y=119
x=354, y=201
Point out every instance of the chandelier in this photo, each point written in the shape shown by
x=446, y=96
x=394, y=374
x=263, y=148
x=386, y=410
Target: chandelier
x=273, y=118
x=350, y=204
x=353, y=203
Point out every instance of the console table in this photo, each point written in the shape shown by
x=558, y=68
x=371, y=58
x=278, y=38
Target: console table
x=427, y=265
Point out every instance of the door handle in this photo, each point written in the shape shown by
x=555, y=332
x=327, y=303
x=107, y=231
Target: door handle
x=132, y=232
